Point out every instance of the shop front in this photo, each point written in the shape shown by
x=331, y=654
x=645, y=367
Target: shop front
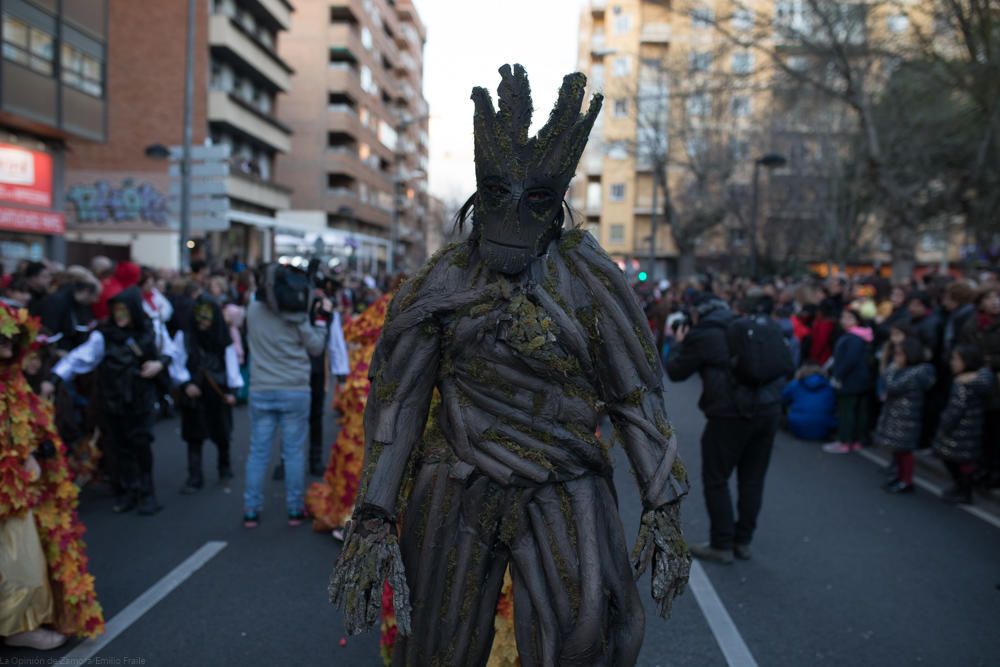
x=29, y=227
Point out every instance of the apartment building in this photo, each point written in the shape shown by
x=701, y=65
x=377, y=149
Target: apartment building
x=52, y=90
x=360, y=147
x=124, y=195
x=619, y=43
x=685, y=98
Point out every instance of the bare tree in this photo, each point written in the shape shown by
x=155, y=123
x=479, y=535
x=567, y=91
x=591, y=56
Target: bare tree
x=841, y=52
x=691, y=134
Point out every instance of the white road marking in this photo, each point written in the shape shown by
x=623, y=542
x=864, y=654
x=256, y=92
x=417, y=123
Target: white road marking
x=936, y=490
x=726, y=635
x=138, y=607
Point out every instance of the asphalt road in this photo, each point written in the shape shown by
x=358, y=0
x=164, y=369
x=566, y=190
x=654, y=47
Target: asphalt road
x=843, y=573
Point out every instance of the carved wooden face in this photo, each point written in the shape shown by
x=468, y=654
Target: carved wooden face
x=517, y=219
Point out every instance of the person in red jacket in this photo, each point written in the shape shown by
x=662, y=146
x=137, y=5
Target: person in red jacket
x=126, y=275
x=821, y=336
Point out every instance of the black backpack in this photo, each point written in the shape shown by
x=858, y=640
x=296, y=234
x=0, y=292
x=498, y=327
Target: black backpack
x=291, y=289
x=758, y=352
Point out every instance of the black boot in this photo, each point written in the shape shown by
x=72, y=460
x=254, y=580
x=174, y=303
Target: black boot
x=225, y=470
x=148, y=504
x=195, y=481
x=125, y=501
x=958, y=495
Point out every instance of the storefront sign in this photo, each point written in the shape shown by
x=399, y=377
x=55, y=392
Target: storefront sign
x=31, y=222
x=25, y=176
x=129, y=203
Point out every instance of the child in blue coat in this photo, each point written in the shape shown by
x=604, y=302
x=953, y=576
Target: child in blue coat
x=812, y=404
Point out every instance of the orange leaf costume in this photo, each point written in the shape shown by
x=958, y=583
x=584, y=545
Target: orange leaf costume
x=26, y=424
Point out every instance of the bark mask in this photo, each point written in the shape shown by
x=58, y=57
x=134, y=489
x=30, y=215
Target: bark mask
x=521, y=182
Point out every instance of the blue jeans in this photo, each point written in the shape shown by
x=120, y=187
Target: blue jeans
x=270, y=410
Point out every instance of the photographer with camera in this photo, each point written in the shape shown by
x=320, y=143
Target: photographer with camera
x=743, y=363
x=285, y=327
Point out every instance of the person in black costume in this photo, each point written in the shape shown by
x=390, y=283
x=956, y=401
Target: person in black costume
x=131, y=357
x=207, y=398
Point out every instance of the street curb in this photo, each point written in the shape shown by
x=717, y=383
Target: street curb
x=932, y=470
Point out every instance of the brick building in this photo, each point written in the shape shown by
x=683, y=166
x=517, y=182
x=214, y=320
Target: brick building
x=52, y=90
x=123, y=199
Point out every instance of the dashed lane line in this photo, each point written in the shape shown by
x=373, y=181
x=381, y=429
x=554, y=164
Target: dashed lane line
x=734, y=649
x=83, y=653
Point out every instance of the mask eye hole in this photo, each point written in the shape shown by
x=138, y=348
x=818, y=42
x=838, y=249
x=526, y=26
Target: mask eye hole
x=540, y=198
x=496, y=189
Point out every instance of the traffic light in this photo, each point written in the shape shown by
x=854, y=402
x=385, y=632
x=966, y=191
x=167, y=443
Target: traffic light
x=643, y=276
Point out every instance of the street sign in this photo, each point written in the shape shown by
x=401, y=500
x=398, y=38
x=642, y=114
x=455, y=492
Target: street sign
x=207, y=198
x=201, y=170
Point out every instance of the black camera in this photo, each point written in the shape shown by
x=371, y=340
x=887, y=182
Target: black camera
x=678, y=319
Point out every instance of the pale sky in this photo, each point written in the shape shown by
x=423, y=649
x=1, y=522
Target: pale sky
x=467, y=41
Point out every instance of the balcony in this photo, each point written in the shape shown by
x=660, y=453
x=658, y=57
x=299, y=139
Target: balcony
x=346, y=10
x=226, y=35
x=655, y=33
x=279, y=10
x=598, y=47
x=257, y=191
x=342, y=197
x=226, y=109
x=345, y=43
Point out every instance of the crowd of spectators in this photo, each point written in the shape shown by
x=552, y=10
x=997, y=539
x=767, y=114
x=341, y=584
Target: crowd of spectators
x=80, y=326
x=906, y=366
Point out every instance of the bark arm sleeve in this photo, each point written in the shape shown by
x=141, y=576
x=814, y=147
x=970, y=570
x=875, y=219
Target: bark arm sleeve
x=630, y=376
x=403, y=375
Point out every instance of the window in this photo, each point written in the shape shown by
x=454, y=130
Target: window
x=739, y=149
x=84, y=72
x=621, y=66
x=698, y=105
x=617, y=150
x=623, y=24
x=743, y=19
x=742, y=62
x=621, y=108
x=741, y=106
x=367, y=81
x=617, y=192
x=594, y=196
x=695, y=146
x=700, y=61
x=898, y=23
x=366, y=38
x=616, y=234
x=26, y=45
x=702, y=17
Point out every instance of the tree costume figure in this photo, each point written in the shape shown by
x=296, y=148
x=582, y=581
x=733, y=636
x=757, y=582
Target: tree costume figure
x=43, y=561
x=529, y=333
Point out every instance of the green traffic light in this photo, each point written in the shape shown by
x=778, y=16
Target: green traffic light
x=642, y=276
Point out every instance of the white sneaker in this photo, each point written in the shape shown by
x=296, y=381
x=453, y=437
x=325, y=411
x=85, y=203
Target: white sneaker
x=39, y=638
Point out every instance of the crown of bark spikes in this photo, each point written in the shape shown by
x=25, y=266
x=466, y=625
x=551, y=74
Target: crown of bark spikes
x=501, y=137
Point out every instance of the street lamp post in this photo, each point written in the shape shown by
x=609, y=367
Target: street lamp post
x=769, y=161
x=185, y=252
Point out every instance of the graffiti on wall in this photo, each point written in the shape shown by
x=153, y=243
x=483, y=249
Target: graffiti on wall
x=131, y=202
